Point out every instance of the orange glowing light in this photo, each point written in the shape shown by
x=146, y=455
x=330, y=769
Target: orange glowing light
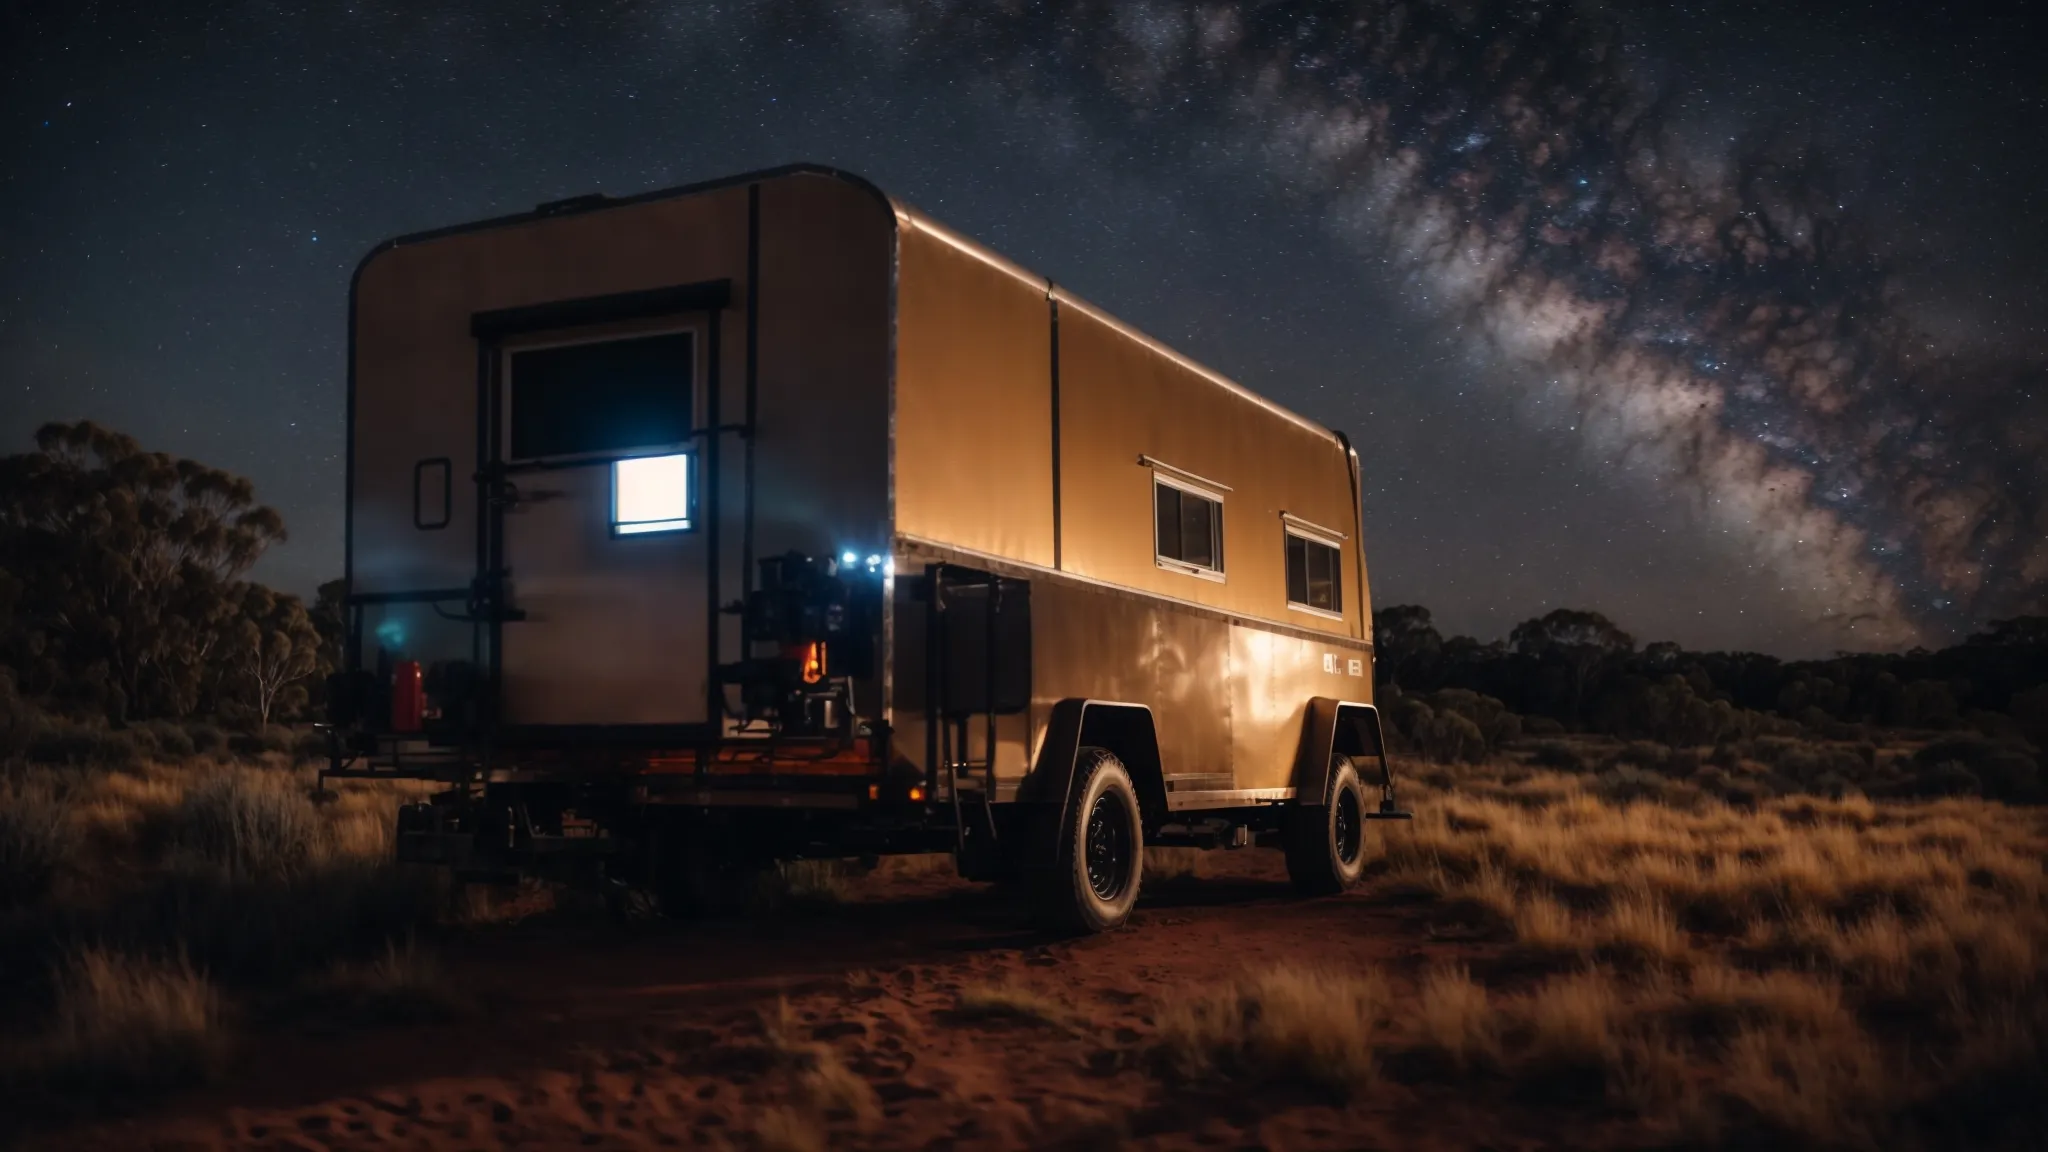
x=814, y=663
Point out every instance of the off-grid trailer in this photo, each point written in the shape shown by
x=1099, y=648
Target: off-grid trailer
x=768, y=518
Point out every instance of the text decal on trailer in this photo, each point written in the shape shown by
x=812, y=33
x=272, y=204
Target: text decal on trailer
x=1337, y=665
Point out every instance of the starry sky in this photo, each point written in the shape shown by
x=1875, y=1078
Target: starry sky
x=1726, y=319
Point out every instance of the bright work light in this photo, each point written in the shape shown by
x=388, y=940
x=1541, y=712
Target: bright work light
x=651, y=494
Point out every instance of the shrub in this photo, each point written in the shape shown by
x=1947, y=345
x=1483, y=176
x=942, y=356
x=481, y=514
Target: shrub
x=37, y=840
x=1496, y=725
x=163, y=740
x=61, y=742
x=207, y=739
x=1560, y=755
x=2003, y=771
x=1445, y=736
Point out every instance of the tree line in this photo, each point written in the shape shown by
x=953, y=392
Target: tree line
x=1576, y=670
x=124, y=590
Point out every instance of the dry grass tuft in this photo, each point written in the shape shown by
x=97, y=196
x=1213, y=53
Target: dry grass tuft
x=801, y=886
x=249, y=823
x=124, y=1023
x=1011, y=1000
x=787, y=1130
x=1799, y=972
x=404, y=984
x=1455, y=1019
x=818, y=1078
x=1286, y=1024
x=1571, y=1023
x=38, y=840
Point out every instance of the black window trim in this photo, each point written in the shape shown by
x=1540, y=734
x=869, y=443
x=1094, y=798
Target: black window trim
x=693, y=326
x=1295, y=526
x=1172, y=478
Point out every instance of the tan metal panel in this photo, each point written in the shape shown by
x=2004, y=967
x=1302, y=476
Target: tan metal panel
x=973, y=399
x=1122, y=398
x=1274, y=675
x=615, y=632
x=1102, y=644
x=822, y=465
x=415, y=384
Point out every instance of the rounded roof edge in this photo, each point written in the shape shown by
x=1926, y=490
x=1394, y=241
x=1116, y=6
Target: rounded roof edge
x=903, y=215
x=601, y=202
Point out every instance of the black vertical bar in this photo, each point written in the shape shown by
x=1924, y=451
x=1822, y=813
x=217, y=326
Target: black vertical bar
x=934, y=715
x=488, y=590
x=1053, y=303
x=713, y=693
x=753, y=386
x=989, y=687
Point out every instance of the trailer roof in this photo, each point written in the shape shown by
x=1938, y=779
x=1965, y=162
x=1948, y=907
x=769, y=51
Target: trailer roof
x=906, y=217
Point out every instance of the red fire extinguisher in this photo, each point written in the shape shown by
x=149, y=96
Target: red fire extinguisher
x=408, y=696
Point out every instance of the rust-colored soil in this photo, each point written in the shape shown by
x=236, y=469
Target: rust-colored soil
x=598, y=1036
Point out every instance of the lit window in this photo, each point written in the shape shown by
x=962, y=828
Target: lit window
x=1315, y=575
x=651, y=494
x=1187, y=529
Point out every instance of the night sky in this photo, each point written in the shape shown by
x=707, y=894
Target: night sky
x=1727, y=320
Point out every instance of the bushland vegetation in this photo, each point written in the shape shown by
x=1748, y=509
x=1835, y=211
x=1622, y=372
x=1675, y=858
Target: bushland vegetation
x=1968, y=719
x=144, y=905
x=124, y=598
x=1804, y=972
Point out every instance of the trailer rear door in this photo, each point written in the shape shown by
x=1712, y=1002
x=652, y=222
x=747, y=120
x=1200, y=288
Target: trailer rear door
x=599, y=528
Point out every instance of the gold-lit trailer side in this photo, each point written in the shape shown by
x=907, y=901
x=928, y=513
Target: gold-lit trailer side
x=772, y=504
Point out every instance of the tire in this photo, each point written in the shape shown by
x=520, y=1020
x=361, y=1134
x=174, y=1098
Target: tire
x=1100, y=851
x=1326, y=842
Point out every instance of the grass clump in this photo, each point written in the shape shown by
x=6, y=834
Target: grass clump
x=1012, y=1000
x=38, y=840
x=818, y=1079
x=1296, y=1025
x=1454, y=1019
x=403, y=984
x=124, y=1023
x=248, y=823
x=801, y=886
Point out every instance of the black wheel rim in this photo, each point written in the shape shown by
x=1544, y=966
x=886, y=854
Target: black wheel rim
x=1108, y=849
x=1350, y=827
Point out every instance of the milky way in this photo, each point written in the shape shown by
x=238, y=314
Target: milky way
x=1724, y=318
x=1725, y=328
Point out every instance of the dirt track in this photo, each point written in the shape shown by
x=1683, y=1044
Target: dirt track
x=590, y=1035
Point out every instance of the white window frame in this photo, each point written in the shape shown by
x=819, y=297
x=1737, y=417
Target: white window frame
x=1160, y=476
x=1291, y=526
x=626, y=530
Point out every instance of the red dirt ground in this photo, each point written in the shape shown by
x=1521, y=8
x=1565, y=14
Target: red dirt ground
x=625, y=1037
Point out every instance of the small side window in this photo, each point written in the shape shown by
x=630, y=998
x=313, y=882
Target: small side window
x=1315, y=574
x=1187, y=529
x=651, y=494
x=432, y=493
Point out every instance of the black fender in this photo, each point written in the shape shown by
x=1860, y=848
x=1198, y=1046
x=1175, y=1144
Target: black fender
x=1123, y=728
x=1335, y=727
